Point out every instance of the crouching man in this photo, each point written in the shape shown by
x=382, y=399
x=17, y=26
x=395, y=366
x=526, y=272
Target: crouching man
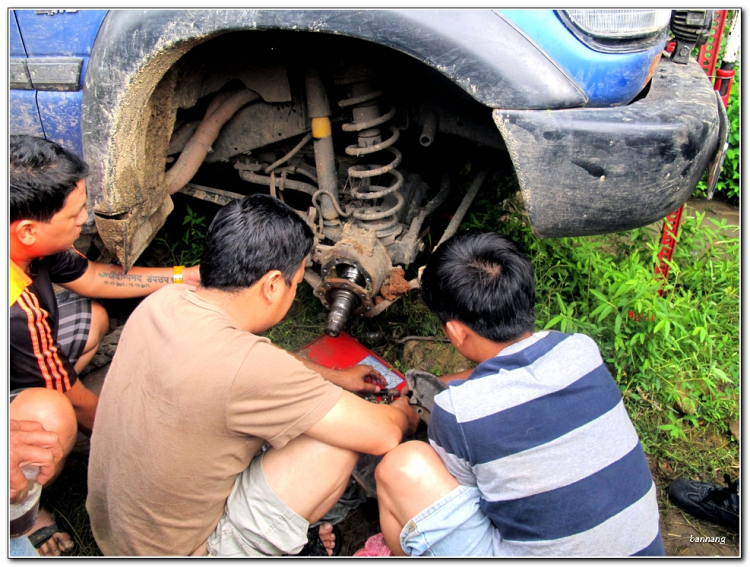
x=532, y=452
x=52, y=338
x=194, y=394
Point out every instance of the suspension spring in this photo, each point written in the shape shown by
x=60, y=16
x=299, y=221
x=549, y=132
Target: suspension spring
x=385, y=203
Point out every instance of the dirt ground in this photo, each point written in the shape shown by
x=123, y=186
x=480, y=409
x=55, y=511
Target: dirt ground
x=685, y=536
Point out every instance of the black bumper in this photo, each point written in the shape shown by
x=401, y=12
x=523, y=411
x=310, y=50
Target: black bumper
x=594, y=171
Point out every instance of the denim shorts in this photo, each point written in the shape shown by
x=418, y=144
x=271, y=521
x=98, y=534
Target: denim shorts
x=454, y=526
x=21, y=547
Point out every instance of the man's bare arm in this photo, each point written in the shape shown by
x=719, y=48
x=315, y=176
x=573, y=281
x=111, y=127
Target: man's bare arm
x=457, y=376
x=84, y=403
x=110, y=281
x=365, y=427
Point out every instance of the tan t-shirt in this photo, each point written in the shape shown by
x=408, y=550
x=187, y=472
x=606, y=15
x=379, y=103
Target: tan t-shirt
x=188, y=400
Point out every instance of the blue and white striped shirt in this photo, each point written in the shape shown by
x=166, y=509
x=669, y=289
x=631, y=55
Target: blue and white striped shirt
x=542, y=431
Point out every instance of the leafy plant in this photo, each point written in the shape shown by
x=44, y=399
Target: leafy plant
x=679, y=352
x=728, y=184
x=188, y=249
x=729, y=180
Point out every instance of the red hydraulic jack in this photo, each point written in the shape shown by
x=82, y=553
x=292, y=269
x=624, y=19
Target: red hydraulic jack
x=345, y=351
x=707, y=57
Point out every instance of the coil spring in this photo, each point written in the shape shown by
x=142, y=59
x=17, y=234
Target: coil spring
x=366, y=123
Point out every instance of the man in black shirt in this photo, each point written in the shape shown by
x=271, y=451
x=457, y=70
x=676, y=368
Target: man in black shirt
x=51, y=343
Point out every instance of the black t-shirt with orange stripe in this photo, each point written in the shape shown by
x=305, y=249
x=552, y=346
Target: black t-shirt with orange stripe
x=35, y=359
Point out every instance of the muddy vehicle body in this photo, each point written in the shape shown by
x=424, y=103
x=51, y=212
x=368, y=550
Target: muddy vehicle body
x=323, y=108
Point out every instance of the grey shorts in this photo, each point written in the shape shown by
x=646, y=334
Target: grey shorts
x=74, y=323
x=256, y=522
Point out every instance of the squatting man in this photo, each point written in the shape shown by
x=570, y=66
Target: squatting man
x=194, y=395
x=52, y=338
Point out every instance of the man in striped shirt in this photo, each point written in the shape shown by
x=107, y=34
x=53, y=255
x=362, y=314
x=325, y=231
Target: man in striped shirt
x=532, y=453
x=50, y=342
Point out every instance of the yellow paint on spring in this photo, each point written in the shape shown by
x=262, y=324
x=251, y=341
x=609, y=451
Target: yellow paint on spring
x=321, y=127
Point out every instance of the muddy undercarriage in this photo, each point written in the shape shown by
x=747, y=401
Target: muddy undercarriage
x=347, y=133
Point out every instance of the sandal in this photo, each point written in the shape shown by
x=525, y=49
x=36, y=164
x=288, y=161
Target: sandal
x=315, y=548
x=43, y=535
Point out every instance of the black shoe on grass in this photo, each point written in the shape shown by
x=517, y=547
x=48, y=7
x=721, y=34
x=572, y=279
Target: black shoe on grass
x=710, y=502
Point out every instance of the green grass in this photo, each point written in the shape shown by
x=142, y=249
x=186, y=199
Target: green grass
x=305, y=321
x=676, y=357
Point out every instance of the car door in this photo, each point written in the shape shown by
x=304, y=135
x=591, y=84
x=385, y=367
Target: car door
x=49, y=54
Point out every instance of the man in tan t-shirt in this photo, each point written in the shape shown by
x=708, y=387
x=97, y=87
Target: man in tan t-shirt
x=194, y=394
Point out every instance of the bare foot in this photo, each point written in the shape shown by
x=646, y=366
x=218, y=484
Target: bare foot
x=59, y=543
x=327, y=537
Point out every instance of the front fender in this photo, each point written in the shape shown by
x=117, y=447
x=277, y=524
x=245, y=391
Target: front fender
x=134, y=50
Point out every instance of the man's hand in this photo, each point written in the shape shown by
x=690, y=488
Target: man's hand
x=192, y=276
x=31, y=444
x=360, y=379
x=402, y=403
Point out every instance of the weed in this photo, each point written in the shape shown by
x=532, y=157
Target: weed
x=302, y=324
x=188, y=249
x=400, y=366
x=729, y=179
x=679, y=352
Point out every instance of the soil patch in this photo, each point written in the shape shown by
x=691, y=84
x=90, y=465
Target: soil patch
x=684, y=535
x=435, y=357
x=359, y=525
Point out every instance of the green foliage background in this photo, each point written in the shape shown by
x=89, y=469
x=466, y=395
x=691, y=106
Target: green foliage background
x=676, y=356
x=728, y=186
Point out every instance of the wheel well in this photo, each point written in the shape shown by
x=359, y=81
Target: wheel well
x=178, y=83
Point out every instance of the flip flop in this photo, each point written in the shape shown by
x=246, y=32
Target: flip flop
x=43, y=535
x=315, y=548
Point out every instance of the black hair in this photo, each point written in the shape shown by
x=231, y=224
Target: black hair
x=42, y=175
x=249, y=238
x=483, y=280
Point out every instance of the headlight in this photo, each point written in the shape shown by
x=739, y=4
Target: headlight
x=617, y=30
x=620, y=23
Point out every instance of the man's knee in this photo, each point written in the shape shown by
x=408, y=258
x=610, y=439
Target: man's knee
x=409, y=463
x=50, y=408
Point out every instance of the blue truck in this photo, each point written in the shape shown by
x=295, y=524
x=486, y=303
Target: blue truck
x=351, y=117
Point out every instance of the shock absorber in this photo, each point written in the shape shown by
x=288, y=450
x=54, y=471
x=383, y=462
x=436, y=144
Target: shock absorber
x=381, y=214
